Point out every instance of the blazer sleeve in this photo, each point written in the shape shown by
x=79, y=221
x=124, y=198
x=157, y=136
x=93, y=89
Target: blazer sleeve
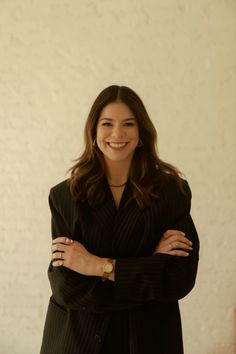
x=69, y=289
x=162, y=277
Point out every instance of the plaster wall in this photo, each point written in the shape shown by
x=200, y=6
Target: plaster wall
x=55, y=57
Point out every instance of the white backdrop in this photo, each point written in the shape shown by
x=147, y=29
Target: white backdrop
x=55, y=57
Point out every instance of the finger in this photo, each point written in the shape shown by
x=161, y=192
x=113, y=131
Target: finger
x=63, y=239
x=179, y=238
x=170, y=233
x=58, y=247
x=58, y=263
x=179, y=253
x=178, y=244
x=58, y=256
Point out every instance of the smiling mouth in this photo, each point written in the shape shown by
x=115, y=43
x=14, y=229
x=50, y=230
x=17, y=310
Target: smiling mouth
x=117, y=145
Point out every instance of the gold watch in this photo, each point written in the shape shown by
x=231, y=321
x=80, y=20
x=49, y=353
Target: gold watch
x=107, y=269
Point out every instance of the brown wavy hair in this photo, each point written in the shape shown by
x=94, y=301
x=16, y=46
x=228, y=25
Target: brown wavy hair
x=147, y=173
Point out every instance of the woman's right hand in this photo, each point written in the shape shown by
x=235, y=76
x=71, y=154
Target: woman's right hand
x=175, y=243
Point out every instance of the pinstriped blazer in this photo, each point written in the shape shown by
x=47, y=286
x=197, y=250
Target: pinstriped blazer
x=147, y=286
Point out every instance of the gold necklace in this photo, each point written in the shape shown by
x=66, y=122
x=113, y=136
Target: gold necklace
x=117, y=185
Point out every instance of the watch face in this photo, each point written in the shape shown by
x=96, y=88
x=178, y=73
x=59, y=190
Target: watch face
x=108, y=267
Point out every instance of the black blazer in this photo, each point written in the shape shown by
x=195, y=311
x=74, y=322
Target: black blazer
x=147, y=287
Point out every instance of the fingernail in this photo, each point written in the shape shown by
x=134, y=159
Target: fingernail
x=183, y=233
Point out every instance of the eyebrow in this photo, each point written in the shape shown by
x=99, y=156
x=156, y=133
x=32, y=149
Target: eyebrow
x=124, y=120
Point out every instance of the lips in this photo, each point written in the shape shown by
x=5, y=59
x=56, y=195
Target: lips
x=117, y=145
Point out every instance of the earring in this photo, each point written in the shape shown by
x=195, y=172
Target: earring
x=140, y=143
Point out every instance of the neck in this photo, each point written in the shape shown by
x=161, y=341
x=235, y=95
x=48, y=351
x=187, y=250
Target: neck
x=117, y=172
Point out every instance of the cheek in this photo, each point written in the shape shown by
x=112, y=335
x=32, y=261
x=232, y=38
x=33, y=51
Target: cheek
x=136, y=134
x=100, y=137
x=99, y=134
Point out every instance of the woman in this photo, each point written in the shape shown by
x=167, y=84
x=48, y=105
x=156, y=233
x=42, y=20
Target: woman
x=124, y=246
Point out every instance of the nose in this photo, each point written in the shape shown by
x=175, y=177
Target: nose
x=117, y=132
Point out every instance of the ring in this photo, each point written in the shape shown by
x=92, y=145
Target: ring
x=61, y=256
x=69, y=241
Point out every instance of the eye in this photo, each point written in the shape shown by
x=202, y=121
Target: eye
x=106, y=124
x=129, y=124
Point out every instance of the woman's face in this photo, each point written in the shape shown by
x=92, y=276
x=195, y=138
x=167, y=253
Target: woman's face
x=117, y=132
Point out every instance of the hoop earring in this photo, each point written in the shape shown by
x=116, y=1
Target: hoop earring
x=140, y=143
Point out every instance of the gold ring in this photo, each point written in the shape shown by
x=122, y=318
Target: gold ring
x=69, y=241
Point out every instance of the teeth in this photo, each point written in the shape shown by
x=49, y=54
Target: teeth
x=117, y=145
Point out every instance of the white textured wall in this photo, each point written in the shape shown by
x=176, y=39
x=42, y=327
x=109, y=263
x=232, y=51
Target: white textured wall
x=55, y=57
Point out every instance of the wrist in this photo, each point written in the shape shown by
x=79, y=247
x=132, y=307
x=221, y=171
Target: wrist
x=107, y=269
x=98, y=264
x=112, y=274
x=100, y=268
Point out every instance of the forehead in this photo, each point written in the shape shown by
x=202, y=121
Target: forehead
x=116, y=110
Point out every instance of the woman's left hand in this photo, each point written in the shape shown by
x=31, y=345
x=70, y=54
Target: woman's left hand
x=175, y=243
x=73, y=255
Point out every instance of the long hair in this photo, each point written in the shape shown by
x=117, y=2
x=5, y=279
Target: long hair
x=147, y=172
